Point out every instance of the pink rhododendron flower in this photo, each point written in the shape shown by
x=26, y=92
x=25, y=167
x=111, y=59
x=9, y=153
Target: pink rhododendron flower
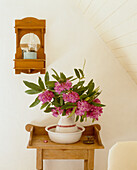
x=68, y=111
x=83, y=106
x=57, y=111
x=59, y=87
x=95, y=111
x=67, y=85
x=96, y=100
x=92, y=111
x=46, y=96
x=71, y=97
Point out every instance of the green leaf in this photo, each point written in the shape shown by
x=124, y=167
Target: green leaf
x=49, y=109
x=67, y=107
x=77, y=73
x=91, y=87
x=32, y=92
x=36, y=102
x=97, y=94
x=87, y=98
x=73, y=79
x=55, y=77
x=84, y=64
x=64, y=113
x=50, y=83
x=46, y=77
x=77, y=118
x=93, y=120
x=80, y=83
x=63, y=77
x=48, y=106
x=90, y=82
x=52, y=90
x=44, y=105
x=81, y=90
x=85, y=115
x=83, y=96
x=68, y=78
x=98, y=104
x=61, y=101
x=97, y=89
x=55, y=73
x=91, y=95
x=32, y=86
x=73, y=112
x=55, y=103
x=81, y=71
x=41, y=83
x=81, y=119
x=70, y=105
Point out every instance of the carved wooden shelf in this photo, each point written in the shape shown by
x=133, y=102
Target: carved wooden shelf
x=24, y=27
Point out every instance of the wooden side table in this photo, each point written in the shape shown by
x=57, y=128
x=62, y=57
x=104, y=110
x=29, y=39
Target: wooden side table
x=51, y=150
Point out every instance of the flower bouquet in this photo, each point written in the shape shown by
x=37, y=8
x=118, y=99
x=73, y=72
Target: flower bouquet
x=66, y=98
x=69, y=98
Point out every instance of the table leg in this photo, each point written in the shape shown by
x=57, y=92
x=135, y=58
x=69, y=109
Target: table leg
x=85, y=164
x=39, y=163
x=91, y=159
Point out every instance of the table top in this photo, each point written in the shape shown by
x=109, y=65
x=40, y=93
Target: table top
x=38, y=141
x=38, y=136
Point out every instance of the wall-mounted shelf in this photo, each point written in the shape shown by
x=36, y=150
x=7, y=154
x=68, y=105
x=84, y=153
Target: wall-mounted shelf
x=26, y=28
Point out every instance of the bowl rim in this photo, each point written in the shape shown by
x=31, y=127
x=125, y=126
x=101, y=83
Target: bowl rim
x=54, y=125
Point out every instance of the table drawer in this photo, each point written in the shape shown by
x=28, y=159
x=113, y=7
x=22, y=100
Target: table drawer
x=65, y=154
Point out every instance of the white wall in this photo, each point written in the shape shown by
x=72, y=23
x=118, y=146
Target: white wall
x=69, y=40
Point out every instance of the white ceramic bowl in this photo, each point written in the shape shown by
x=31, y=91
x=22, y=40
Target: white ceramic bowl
x=64, y=137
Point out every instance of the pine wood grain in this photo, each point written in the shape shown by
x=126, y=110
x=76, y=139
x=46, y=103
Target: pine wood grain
x=51, y=150
x=22, y=27
x=65, y=154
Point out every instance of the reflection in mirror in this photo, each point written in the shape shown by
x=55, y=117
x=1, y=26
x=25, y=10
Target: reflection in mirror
x=30, y=44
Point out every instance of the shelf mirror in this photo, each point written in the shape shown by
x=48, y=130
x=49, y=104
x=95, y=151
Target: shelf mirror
x=30, y=44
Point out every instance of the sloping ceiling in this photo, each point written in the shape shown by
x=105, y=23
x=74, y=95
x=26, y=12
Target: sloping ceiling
x=116, y=23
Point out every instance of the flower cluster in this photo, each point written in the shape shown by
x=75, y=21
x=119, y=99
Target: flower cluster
x=83, y=106
x=95, y=111
x=59, y=87
x=71, y=97
x=91, y=111
x=57, y=111
x=46, y=96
